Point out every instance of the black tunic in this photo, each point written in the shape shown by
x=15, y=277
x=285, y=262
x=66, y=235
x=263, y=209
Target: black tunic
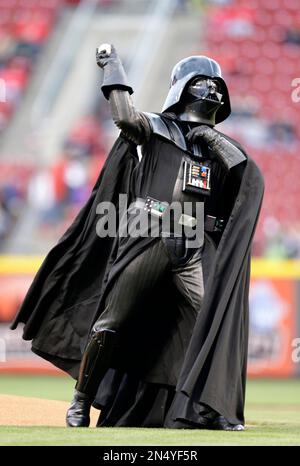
x=159, y=170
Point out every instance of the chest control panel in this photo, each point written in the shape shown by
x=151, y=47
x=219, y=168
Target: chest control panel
x=196, y=177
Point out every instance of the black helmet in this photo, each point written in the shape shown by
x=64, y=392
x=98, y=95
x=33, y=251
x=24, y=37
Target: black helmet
x=185, y=71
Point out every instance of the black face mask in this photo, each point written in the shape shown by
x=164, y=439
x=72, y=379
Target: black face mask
x=201, y=101
x=205, y=89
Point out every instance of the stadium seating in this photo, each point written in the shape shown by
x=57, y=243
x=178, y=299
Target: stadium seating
x=25, y=25
x=258, y=45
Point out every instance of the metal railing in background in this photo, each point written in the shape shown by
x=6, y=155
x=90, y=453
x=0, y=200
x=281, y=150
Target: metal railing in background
x=64, y=58
x=146, y=45
x=148, y=42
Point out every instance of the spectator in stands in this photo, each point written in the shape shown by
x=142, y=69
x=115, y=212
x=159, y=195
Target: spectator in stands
x=5, y=219
x=10, y=205
x=281, y=133
x=292, y=36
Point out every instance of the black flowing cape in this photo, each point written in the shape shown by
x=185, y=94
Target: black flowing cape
x=156, y=379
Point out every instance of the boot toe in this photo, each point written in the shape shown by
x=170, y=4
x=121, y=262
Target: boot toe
x=73, y=420
x=220, y=423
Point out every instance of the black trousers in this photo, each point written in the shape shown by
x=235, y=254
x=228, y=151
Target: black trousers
x=141, y=277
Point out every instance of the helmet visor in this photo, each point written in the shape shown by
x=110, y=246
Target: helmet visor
x=205, y=88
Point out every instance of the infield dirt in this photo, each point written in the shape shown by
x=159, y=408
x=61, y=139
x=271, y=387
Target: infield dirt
x=25, y=411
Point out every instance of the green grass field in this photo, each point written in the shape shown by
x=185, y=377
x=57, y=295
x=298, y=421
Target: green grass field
x=272, y=418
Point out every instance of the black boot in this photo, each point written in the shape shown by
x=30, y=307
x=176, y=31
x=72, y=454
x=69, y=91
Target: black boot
x=220, y=423
x=78, y=415
x=95, y=362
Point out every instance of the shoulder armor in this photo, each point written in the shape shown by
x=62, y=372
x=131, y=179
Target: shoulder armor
x=232, y=154
x=235, y=158
x=167, y=129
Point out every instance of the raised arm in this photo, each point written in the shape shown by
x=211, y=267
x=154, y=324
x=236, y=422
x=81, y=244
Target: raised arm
x=133, y=124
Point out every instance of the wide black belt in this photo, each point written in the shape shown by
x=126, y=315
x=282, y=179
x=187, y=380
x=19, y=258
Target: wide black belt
x=158, y=208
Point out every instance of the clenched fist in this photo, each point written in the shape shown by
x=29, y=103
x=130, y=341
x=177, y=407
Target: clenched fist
x=105, y=53
x=114, y=76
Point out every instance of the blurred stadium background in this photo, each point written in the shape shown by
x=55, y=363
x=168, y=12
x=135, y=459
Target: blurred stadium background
x=55, y=132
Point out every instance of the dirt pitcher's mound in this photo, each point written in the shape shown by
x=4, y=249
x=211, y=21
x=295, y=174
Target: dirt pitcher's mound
x=24, y=411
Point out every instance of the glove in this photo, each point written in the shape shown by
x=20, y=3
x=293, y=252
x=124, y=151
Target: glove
x=202, y=132
x=228, y=154
x=114, y=75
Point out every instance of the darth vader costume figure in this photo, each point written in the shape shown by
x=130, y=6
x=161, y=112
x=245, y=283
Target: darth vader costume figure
x=154, y=328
